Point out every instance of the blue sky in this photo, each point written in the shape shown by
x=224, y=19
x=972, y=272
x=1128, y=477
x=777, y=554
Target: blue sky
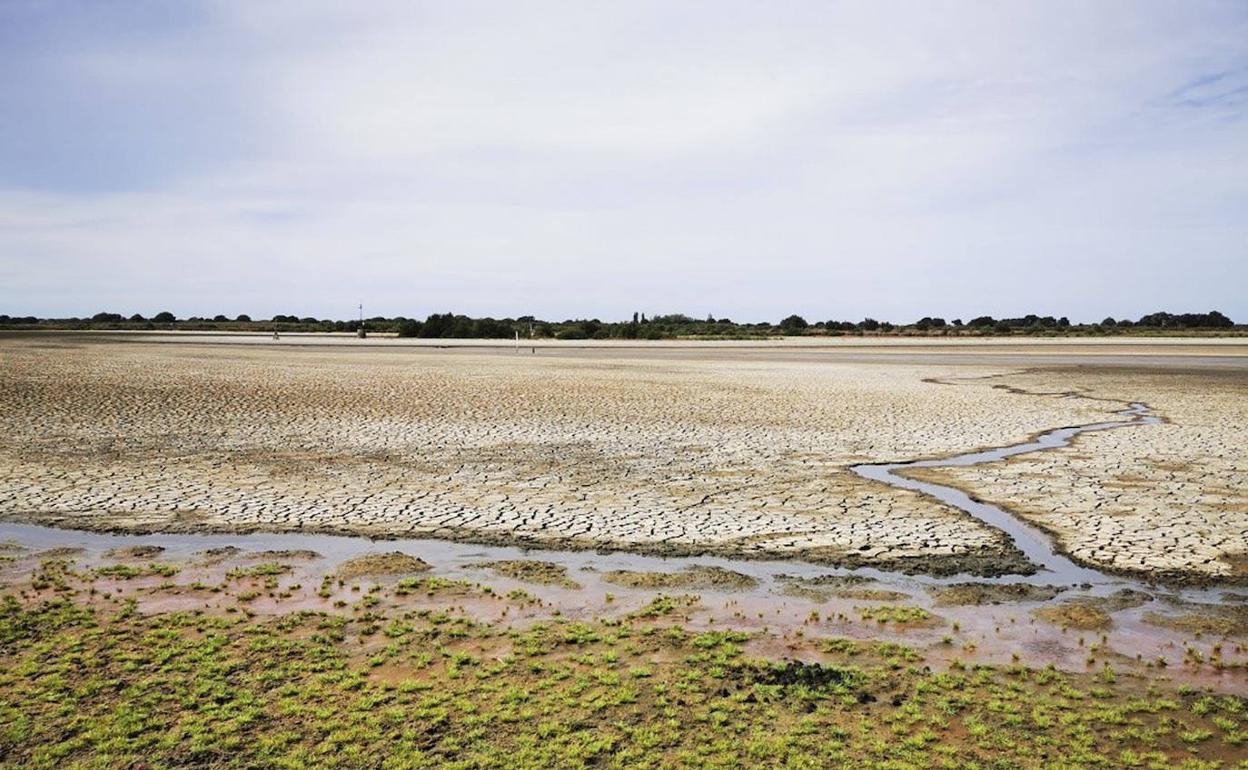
x=581, y=159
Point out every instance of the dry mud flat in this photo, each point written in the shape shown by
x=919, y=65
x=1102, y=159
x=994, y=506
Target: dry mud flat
x=1168, y=500
x=742, y=458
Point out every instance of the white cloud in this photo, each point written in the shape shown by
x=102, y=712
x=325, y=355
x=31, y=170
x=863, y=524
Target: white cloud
x=565, y=159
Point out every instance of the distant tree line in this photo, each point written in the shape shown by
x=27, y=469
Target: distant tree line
x=639, y=327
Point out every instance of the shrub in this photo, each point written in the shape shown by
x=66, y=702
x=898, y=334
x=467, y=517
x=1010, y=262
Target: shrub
x=794, y=323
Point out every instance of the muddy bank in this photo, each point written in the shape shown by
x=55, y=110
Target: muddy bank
x=821, y=588
x=986, y=562
x=693, y=577
x=991, y=593
x=529, y=571
x=1092, y=613
x=379, y=565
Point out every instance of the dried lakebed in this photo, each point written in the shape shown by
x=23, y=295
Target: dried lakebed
x=743, y=459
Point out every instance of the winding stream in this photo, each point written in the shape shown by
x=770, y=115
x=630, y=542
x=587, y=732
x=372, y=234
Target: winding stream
x=1036, y=545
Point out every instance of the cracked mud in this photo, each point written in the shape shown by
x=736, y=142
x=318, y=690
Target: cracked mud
x=748, y=459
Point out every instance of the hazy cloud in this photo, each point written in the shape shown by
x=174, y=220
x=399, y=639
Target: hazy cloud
x=570, y=159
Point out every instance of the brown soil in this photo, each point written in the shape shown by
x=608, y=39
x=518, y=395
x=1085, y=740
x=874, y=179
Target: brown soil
x=1227, y=621
x=1078, y=615
x=135, y=552
x=827, y=587
x=988, y=593
x=380, y=564
x=713, y=578
x=540, y=572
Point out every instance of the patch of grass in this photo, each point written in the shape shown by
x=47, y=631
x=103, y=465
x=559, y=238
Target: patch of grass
x=662, y=606
x=129, y=571
x=1078, y=615
x=693, y=577
x=265, y=569
x=431, y=586
x=380, y=565
x=900, y=614
x=540, y=572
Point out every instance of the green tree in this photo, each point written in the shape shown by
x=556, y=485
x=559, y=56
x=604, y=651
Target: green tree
x=794, y=323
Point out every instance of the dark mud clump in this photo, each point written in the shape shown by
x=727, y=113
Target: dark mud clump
x=985, y=561
x=1125, y=599
x=1079, y=615
x=380, y=564
x=232, y=552
x=62, y=552
x=1216, y=620
x=1091, y=613
x=991, y=593
x=540, y=572
x=824, y=587
x=812, y=676
x=135, y=552
x=301, y=553
x=218, y=555
x=696, y=577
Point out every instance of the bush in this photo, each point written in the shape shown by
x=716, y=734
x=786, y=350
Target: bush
x=164, y=317
x=794, y=323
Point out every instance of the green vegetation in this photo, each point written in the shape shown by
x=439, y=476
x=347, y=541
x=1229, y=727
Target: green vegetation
x=96, y=686
x=128, y=571
x=676, y=325
x=530, y=571
x=900, y=614
x=403, y=677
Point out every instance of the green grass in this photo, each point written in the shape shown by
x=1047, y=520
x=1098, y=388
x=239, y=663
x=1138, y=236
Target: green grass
x=899, y=614
x=97, y=684
x=128, y=571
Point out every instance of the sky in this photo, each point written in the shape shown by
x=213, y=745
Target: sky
x=740, y=159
